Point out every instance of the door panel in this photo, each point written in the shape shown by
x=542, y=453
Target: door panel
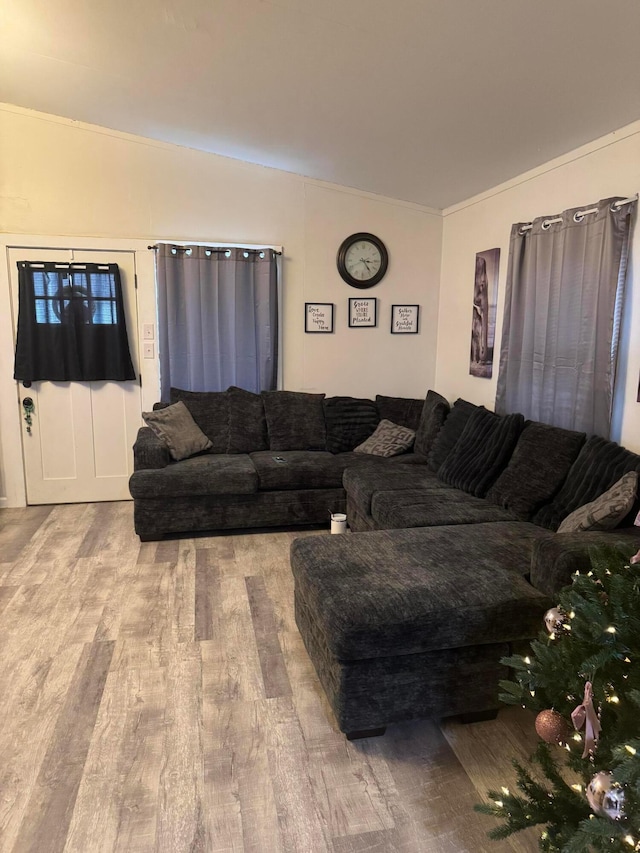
x=79, y=448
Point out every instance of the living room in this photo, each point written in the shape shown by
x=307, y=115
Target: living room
x=77, y=184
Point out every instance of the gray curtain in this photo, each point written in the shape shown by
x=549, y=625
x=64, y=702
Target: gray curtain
x=217, y=318
x=563, y=305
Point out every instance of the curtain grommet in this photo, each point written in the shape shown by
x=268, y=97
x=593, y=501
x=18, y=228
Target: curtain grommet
x=578, y=216
x=546, y=225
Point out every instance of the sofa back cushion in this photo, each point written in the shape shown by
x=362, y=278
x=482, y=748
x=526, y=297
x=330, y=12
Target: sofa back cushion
x=295, y=420
x=210, y=410
x=538, y=467
x=450, y=433
x=349, y=421
x=434, y=413
x=404, y=411
x=599, y=465
x=247, y=422
x=482, y=451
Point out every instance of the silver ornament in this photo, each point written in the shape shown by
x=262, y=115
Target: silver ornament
x=606, y=796
x=554, y=618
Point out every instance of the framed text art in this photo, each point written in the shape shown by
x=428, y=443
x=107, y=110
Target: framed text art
x=404, y=319
x=318, y=317
x=363, y=313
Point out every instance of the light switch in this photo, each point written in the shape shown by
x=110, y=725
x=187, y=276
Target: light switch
x=148, y=351
x=148, y=331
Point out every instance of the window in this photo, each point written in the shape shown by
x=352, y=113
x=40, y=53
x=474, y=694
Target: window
x=89, y=297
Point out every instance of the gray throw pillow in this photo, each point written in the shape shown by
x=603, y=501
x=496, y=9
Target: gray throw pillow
x=177, y=429
x=388, y=440
x=607, y=511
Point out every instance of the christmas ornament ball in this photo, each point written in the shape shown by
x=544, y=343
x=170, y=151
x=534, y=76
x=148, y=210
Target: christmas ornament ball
x=606, y=796
x=552, y=727
x=553, y=619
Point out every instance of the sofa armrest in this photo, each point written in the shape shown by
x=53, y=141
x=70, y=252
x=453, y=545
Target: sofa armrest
x=149, y=451
x=556, y=558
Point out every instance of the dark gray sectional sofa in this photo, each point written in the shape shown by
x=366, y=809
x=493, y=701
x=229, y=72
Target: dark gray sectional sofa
x=451, y=566
x=453, y=557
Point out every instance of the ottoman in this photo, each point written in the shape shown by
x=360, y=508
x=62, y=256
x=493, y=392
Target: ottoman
x=404, y=624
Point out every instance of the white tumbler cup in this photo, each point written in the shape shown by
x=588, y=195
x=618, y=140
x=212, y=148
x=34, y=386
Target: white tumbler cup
x=338, y=522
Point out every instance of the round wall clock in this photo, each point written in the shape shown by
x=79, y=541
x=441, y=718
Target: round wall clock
x=362, y=260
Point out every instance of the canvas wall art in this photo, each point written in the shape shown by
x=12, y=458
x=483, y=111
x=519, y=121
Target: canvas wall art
x=483, y=324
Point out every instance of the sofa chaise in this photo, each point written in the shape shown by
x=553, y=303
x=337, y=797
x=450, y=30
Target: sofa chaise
x=453, y=563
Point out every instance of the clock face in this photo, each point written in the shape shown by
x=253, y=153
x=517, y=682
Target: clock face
x=362, y=260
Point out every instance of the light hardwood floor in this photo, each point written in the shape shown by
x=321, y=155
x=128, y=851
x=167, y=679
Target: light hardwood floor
x=158, y=697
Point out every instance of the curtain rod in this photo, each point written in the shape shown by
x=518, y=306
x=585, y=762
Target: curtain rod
x=579, y=215
x=156, y=246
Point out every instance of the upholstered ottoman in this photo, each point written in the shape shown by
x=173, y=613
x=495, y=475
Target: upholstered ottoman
x=404, y=624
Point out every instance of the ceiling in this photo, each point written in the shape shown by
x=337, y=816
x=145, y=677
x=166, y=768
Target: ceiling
x=429, y=101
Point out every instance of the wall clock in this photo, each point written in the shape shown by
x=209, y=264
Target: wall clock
x=362, y=260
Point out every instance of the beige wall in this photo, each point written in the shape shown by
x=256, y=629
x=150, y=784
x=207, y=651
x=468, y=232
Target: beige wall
x=608, y=167
x=62, y=178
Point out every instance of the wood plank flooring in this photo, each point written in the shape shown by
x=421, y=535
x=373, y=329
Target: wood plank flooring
x=157, y=698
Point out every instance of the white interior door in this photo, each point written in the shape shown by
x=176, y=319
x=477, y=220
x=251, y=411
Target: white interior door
x=79, y=447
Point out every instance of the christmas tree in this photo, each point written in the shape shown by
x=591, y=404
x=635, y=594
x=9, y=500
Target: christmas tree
x=583, y=680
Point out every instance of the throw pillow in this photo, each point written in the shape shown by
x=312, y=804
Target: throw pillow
x=295, y=420
x=481, y=452
x=210, y=410
x=607, y=511
x=538, y=467
x=177, y=429
x=404, y=411
x=599, y=465
x=389, y=439
x=349, y=422
x=450, y=433
x=434, y=413
x=247, y=422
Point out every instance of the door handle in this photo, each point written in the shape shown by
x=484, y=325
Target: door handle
x=29, y=409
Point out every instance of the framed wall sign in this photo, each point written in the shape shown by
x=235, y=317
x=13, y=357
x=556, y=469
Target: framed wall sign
x=404, y=319
x=318, y=317
x=363, y=312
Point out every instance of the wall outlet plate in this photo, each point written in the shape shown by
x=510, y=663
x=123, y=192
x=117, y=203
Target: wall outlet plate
x=148, y=351
x=148, y=332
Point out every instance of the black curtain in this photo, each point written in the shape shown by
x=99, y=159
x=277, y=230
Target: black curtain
x=71, y=323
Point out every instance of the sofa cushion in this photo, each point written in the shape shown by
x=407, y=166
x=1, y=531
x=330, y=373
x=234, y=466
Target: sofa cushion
x=247, y=422
x=606, y=511
x=210, y=410
x=389, y=439
x=537, y=468
x=210, y=474
x=175, y=427
x=432, y=508
x=300, y=469
x=450, y=433
x=434, y=413
x=599, y=465
x=482, y=451
x=400, y=592
x=405, y=411
x=349, y=421
x=361, y=483
x=295, y=420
